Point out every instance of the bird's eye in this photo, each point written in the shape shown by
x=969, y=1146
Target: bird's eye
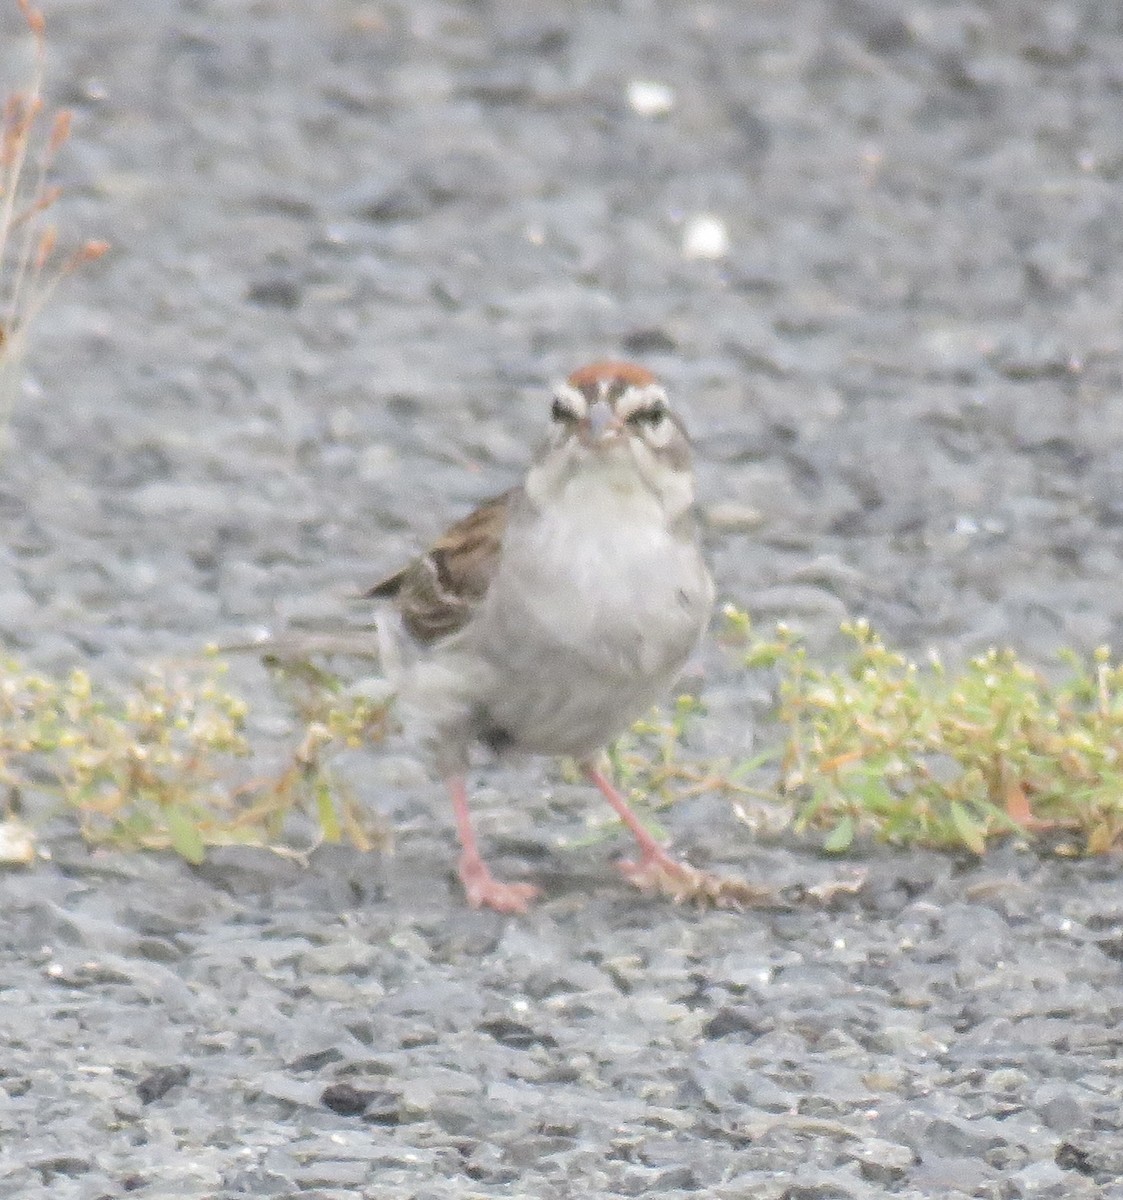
x=650, y=416
x=559, y=411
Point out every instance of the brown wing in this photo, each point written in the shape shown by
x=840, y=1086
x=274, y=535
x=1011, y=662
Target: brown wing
x=437, y=592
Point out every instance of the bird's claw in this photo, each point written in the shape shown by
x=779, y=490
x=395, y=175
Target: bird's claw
x=685, y=884
x=485, y=891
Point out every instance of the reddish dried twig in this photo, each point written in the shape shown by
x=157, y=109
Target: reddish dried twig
x=31, y=265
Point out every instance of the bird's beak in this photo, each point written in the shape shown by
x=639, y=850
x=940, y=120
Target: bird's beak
x=601, y=424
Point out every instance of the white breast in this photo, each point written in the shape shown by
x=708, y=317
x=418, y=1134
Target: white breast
x=595, y=607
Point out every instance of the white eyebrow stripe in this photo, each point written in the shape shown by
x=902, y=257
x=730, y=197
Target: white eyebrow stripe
x=636, y=398
x=573, y=397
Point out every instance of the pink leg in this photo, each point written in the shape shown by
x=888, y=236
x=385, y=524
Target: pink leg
x=658, y=871
x=654, y=860
x=482, y=888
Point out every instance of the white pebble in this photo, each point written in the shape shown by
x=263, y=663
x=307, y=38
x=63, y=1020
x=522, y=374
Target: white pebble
x=650, y=99
x=17, y=842
x=731, y=517
x=705, y=237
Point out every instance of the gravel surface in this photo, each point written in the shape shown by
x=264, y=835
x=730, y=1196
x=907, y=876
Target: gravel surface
x=353, y=241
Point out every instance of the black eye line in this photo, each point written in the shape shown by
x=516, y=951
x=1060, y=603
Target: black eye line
x=559, y=412
x=651, y=415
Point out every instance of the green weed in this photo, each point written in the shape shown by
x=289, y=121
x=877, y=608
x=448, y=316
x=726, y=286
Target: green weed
x=877, y=746
x=914, y=753
x=165, y=764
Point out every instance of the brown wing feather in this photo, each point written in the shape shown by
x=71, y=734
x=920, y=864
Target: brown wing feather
x=437, y=592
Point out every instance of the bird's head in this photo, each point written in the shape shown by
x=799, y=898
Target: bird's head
x=613, y=420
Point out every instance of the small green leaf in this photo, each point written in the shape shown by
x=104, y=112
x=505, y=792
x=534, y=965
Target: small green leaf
x=755, y=763
x=841, y=837
x=186, y=839
x=325, y=811
x=970, y=833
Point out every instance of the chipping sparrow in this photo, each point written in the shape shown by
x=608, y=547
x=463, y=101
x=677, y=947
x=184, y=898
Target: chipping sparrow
x=553, y=616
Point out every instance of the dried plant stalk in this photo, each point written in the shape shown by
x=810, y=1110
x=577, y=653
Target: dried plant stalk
x=31, y=264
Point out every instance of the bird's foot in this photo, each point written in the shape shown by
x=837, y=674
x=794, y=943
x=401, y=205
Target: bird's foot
x=658, y=872
x=685, y=884
x=485, y=891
